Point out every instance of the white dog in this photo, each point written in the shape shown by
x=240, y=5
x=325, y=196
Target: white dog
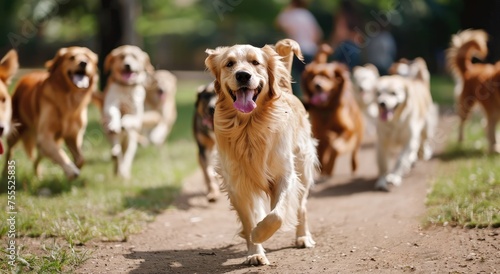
x=405, y=124
x=123, y=106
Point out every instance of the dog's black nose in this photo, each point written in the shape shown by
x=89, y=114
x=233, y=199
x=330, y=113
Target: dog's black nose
x=382, y=104
x=82, y=64
x=127, y=67
x=317, y=86
x=243, y=76
x=1, y=130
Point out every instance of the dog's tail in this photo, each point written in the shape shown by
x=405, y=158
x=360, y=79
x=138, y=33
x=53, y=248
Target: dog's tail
x=463, y=47
x=287, y=48
x=322, y=55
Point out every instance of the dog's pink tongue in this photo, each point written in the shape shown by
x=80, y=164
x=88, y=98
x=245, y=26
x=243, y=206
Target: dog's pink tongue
x=244, y=101
x=127, y=75
x=81, y=81
x=385, y=115
x=319, y=98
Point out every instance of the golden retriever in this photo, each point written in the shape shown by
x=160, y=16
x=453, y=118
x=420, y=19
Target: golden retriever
x=160, y=109
x=337, y=122
x=475, y=82
x=51, y=106
x=123, y=106
x=267, y=155
x=203, y=130
x=405, y=125
x=8, y=68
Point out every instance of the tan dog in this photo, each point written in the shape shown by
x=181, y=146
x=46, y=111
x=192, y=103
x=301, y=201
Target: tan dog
x=337, y=121
x=160, y=108
x=406, y=123
x=413, y=69
x=267, y=154
x=51, y=107
x=475, y=82
x=8, y=68
x=203, y=130
x=123, y=106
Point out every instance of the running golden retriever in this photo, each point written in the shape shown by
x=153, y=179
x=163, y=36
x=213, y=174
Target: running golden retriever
x=51, y=106
x=267, y=155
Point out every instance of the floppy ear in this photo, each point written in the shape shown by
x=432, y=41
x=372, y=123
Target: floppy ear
x=8, y=66
x=211, y=62
x=373, y=68
x=279, y=76
x=51, y=65
x=147, y=64
x=109, y=61
x=92, y=56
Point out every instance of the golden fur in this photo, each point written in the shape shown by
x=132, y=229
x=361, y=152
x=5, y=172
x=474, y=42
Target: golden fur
x=160, y=108
x=203, y=130
x=475, y=82
x=266, y=151
x=123, y=106
x=51, y=107
x=8, y=68
x=337, y=121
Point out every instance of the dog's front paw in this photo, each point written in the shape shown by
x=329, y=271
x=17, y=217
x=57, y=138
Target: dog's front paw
x=394, y=179
x=381, y=184
x=256, y=259
x=116, y=150
x=305, y=242
x=114, y=127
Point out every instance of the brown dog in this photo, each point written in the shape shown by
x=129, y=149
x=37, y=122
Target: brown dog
x=266, y=150
x=123, y=106
x=475, y=82
x=337, y=121
x=160, y=111
x=51, y=106
x=8, y=67
x=203, y=130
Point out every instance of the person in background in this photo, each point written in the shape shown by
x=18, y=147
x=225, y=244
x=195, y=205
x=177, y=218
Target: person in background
x=354, y=46
x=299, y=24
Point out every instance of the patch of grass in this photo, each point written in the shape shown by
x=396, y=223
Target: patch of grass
x=466, y=192
x=442, y=90
x=98, y=206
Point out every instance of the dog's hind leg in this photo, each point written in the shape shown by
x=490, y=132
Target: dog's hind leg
x=464, y=107
x=303, y=235
x=490, y=133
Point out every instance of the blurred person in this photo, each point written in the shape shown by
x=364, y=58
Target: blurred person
x=358, y=41
x=299, y=24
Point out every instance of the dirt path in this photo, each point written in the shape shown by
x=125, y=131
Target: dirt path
x=357, y=230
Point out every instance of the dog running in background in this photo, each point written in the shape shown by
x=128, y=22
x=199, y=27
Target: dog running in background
x=266, y=151
x=475, y=82
x=203, y=129
x=51, y=106
x=160, y=111
x=123, y=106
x=8, y=68
x=406, y=123
x=337, y=121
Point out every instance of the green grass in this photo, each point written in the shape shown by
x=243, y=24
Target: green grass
x=97, y=206
x=442, y=90
x=466, y=192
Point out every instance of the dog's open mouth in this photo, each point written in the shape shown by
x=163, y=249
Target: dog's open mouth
x=244, y=98
x=1, y=147
x=385, y=114
x=80, y=79
x=128, y=75
x=319, y=98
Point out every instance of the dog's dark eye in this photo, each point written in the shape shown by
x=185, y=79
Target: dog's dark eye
x=255, y=63
x=392, y=93
x=72, y=57
x=229, y=64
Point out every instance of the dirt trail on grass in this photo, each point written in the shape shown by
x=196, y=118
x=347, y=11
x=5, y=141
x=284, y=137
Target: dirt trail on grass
x=357, y=230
